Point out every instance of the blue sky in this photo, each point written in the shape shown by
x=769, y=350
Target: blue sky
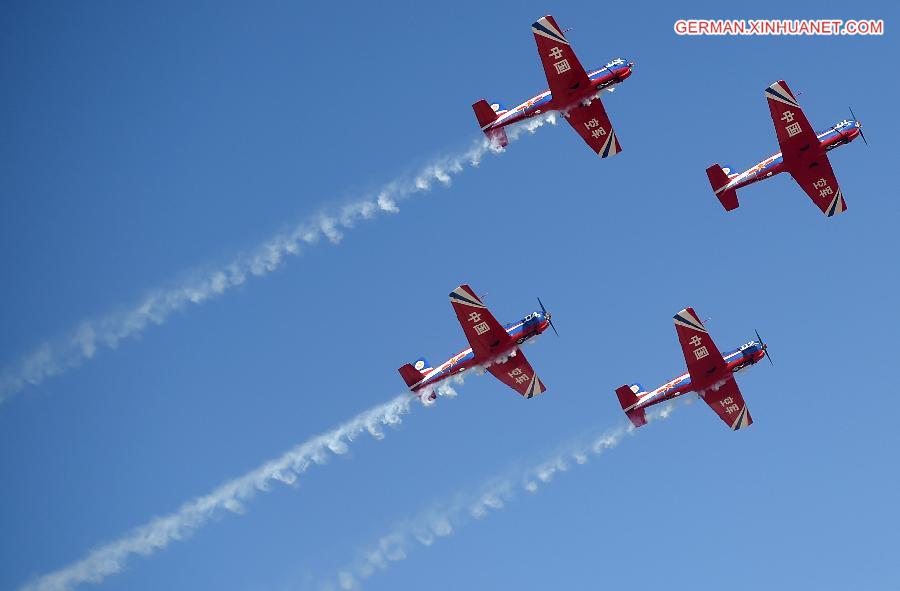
x=144, y=146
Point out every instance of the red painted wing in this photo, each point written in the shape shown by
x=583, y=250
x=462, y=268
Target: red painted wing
x=704, y=361
x=518, y=374
x=486, y=336
x=592, y=124
x=796, y=137
x=566, y=78
x=728, y=403
x=817, y=179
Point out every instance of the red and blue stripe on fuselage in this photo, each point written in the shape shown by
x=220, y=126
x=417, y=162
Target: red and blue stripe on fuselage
x=614, y=72
x=738, y=359
x=527, y=328
x=843, y=133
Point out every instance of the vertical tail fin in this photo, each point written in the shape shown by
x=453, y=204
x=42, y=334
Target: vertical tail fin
x=628, y=398
x=486, y=115
x=410, y=375
x=413, y=374
x=718, y=180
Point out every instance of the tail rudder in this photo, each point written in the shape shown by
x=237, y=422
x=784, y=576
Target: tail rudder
x=412, y=374
x=628, y=398
x=486, y=115
x=718, y=180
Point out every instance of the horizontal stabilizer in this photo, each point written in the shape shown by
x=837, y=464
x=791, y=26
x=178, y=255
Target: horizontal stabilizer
x=637, y=417
x=497, y=136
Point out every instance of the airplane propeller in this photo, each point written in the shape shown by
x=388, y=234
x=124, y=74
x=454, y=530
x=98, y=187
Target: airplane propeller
x=765, y=347
x=547, y=315
x=852, y=114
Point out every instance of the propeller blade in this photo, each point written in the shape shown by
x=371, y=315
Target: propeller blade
x=764, y=347
x=553, y=327
x=547, y=316
x=861, y=134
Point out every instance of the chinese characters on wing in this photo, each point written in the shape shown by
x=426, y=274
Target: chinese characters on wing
x=594, y=127
x=729, y=405
x=794, y=127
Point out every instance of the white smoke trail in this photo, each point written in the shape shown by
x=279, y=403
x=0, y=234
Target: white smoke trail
x=58, y=355
x=230, y=496
x=443, y=518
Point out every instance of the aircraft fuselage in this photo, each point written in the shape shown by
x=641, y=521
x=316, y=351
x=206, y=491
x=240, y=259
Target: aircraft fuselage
x=843, y=133
x=605, y=78
x=738, y=359
x=527, y=328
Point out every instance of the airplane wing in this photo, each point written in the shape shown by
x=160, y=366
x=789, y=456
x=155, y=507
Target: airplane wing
x=517, y=373
x=704, y=361
x=795, y=135
x=592, y=124
x=800, y=148
x=484, y=333
x=728, y=403
x=818, y=180
x=565, y=75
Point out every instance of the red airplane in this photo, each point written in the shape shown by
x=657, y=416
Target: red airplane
x=494, y=347
x=710, y=374
x=803, y=155
x=573, y=92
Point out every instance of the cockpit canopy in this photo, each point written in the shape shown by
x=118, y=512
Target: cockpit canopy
x=750, y=348
x=846, y=123
x=533, y=318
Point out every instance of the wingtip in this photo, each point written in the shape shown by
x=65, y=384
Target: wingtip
x=780, y=91
x=465, y=294
x=683, y=311
x=743, y=420
x=838, y=205
x=456, y=289
x=546, y=27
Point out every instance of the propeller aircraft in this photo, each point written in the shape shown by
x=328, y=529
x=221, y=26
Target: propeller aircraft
x=573, y=92
x=803, y=155
x=491, y=346
x=710, y=374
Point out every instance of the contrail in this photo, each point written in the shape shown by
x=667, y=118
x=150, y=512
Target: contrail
x=441, y=519
x=230, y=496
x=60, y=354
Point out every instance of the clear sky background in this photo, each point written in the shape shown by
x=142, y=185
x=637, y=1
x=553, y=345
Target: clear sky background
x=141, y=144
